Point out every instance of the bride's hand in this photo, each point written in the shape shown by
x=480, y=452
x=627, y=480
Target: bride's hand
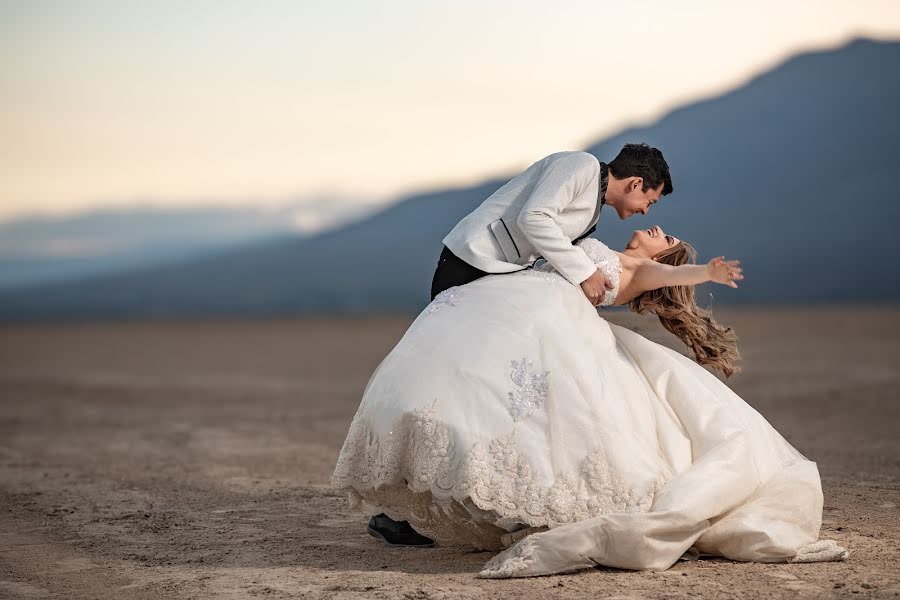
x=724, y=271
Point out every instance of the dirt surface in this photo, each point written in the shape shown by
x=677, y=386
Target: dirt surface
x=191, y=460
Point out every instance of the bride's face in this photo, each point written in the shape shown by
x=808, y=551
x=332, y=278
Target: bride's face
x=650, y=242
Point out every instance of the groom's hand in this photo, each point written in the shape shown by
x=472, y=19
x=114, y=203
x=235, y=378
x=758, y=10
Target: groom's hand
x=595, y=286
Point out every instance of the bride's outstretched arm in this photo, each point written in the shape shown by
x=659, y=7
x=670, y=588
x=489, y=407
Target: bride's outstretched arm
x=651, y=275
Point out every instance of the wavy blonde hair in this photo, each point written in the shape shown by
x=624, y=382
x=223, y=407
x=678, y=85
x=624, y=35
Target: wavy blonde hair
x=711, y=343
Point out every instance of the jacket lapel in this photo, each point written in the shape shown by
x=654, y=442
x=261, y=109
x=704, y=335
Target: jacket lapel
x=601, y=200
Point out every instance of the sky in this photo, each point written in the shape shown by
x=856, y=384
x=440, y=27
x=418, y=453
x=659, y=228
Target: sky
x=176, y=103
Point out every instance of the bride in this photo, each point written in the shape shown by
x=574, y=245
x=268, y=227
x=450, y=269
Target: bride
x=512, y=414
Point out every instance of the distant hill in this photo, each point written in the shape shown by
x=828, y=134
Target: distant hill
x=794, y=172
x=48, y=249
x=44, y=249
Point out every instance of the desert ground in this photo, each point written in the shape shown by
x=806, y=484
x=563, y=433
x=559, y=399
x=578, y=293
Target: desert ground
x=191, y=459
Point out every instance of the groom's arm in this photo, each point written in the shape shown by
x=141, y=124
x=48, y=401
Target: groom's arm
x=563, y=181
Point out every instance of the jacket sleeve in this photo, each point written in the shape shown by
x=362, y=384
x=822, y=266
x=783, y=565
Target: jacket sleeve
x=561, y=182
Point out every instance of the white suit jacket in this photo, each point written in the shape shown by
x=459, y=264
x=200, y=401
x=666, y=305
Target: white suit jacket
x=537, y=213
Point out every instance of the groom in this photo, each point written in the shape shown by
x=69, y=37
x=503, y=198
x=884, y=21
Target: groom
x=544, y=210
x=540, y=213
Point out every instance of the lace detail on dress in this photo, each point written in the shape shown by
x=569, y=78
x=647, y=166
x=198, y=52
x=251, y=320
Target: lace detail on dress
x=820, y=551
x=606, y=260
x=448, y=297
x=533, y=389
x=418, y=474
x=515, y=560
x=511, y=561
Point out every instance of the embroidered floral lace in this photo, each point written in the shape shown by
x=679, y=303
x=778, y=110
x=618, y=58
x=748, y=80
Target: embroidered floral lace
x=418, y=474
x=532, y=389
x=449, y=297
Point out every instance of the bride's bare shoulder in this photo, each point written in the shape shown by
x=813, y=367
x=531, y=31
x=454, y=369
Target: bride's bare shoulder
x=630, y=262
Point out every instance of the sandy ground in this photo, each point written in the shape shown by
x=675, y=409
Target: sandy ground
x=191, y=460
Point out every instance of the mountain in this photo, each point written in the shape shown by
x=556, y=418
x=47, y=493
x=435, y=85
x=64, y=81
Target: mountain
x=793, y=172
x=46, y=249
x=52, y=249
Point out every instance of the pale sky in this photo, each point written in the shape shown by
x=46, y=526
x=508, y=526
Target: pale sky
x=188, y=102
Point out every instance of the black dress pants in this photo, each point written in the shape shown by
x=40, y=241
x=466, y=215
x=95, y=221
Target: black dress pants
x=452, y=270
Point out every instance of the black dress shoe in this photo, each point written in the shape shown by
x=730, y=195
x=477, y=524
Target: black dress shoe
x=397, y=533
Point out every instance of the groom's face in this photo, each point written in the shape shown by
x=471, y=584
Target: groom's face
x=637, y=200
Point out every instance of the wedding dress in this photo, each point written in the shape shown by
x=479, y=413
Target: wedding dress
x=510, y=404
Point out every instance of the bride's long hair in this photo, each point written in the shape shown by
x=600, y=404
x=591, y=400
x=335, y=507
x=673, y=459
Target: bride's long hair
x=711, y=343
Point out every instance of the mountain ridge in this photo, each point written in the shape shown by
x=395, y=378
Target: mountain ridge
x=792, y=172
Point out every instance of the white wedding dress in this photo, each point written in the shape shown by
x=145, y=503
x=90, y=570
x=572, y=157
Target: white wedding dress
x=510, y=403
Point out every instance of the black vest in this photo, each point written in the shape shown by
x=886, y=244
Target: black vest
x=601, y=198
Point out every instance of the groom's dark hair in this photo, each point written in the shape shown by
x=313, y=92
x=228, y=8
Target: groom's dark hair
x=641, y=160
